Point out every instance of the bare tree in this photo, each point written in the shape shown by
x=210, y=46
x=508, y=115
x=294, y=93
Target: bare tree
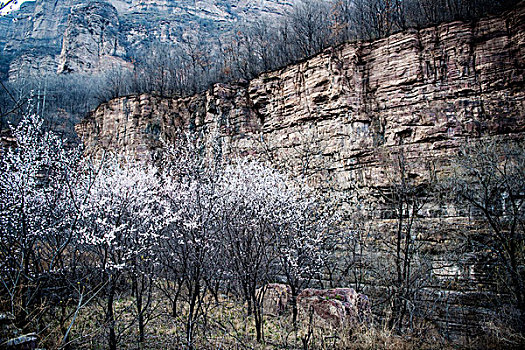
x=402, y=254
x=190, y=252
x=489, y=176
x=310, y=23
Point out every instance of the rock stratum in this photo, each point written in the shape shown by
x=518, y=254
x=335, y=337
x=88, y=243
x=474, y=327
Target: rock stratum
x=425, y=91
x=336, y=115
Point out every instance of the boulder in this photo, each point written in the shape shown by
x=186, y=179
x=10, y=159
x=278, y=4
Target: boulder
x=339, y=308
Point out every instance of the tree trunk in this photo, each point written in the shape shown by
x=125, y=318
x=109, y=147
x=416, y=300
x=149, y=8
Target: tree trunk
x=258, y=323
x=175, y=300
x=248, y=298
x=174, y=308
x=517, y=283
x=294, y=306
x=140, y=313
x=191, y=315
x=258, y=316
x=110, y=316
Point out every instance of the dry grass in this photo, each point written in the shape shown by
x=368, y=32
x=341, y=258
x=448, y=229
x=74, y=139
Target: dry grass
x=226, y=326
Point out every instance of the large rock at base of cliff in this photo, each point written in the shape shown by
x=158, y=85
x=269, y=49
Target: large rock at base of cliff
x=338, y=308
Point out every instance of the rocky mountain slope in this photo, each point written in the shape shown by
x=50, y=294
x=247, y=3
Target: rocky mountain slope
x=45, y=37
x=337, y=115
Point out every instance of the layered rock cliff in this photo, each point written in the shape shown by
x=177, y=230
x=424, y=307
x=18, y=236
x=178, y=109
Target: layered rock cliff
x=85, y=36
x=336, y=116
x=426, y=91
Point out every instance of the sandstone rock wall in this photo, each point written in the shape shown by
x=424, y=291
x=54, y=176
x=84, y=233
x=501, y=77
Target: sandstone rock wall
x=336, y=116
x=426, y=91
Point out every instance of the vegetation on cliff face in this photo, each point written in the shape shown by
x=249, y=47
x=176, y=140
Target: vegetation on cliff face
x=490, y=177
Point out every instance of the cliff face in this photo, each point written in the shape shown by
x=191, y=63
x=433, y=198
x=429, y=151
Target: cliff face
x=91, y=39
x=338, y=115
x=84, y=36
x=33, y=35
x=425, y=91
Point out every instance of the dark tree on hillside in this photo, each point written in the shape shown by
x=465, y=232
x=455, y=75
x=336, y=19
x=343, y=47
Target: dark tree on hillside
x=490, y=178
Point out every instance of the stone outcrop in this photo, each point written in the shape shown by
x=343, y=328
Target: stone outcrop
x=338, y=308
x=36, y=29
x=91, y=40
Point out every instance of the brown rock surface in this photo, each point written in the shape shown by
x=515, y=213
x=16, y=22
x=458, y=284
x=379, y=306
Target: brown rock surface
x=341, y=307
x=426, y=91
